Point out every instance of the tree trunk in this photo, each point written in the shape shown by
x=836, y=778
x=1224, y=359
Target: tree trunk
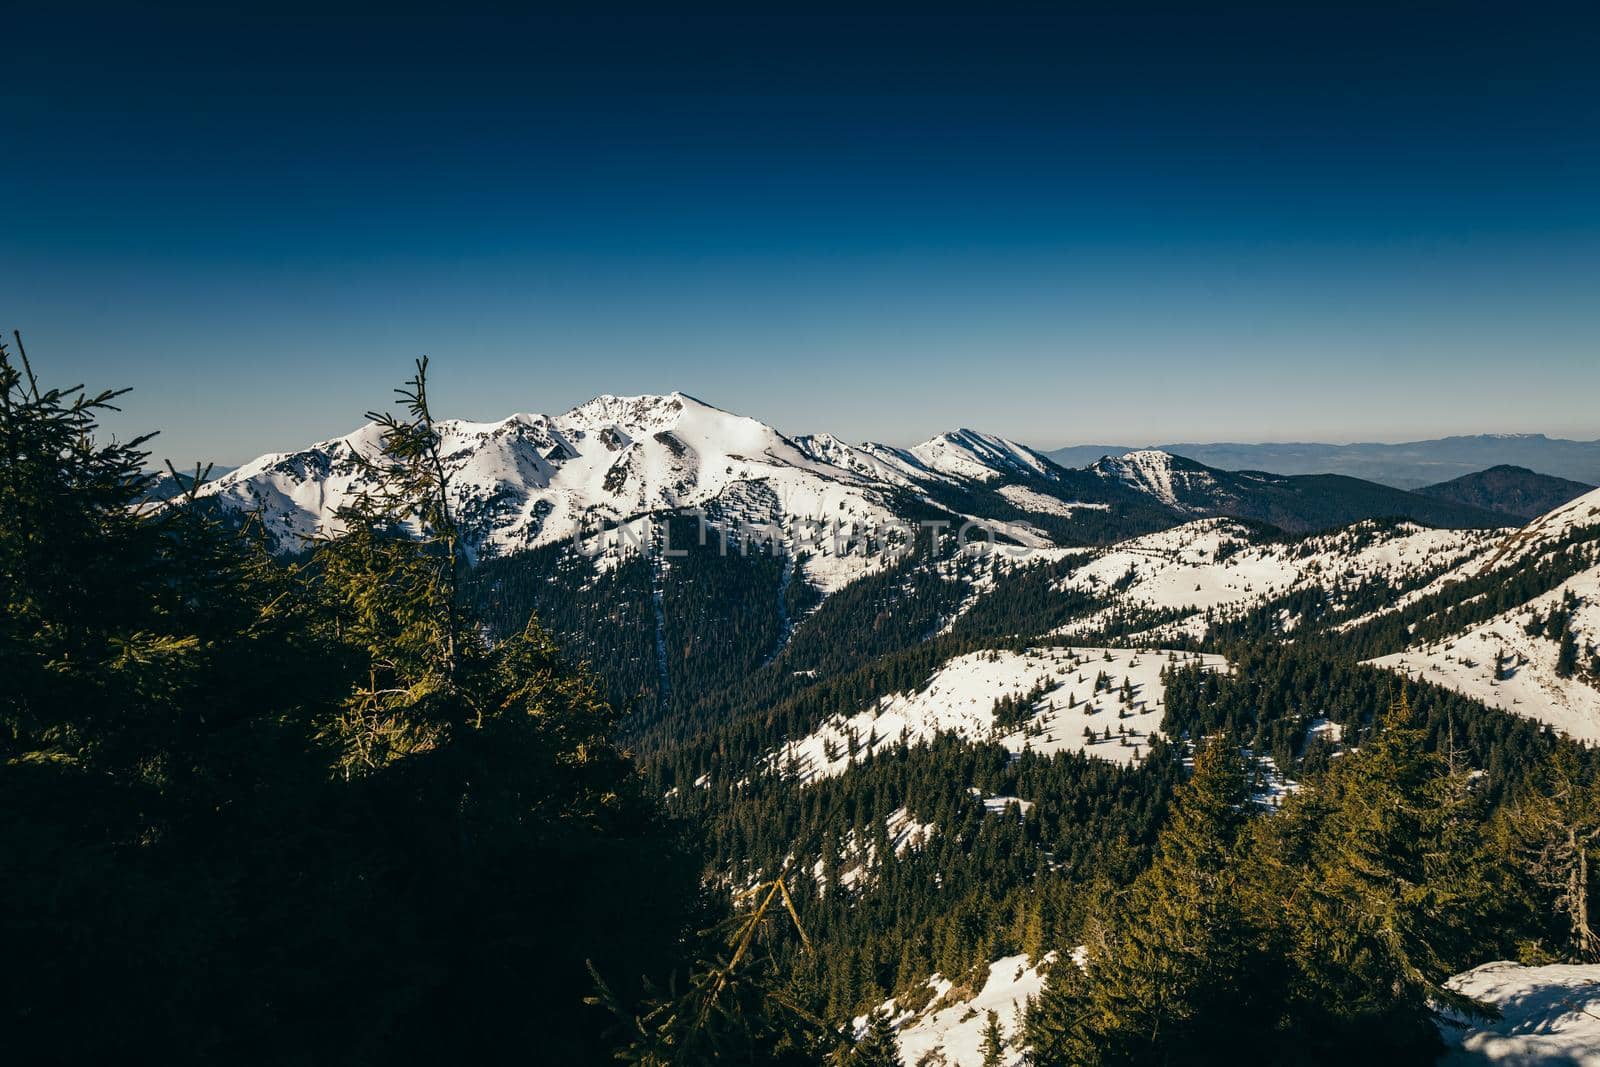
x=1578, y=896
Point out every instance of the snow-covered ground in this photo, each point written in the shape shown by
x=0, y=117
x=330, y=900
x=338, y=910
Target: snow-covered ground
x=952, y=1026
x=1211, y=565
x=1549, y=1016
x=1039, y=503
x=858, y=858
x=1541, y=532
x=1001, y=805
x=1529, y=684
x=959, y=697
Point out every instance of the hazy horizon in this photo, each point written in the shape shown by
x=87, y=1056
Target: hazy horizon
x=130, y=415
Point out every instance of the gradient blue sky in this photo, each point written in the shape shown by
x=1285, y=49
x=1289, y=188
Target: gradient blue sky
x=1247, y=224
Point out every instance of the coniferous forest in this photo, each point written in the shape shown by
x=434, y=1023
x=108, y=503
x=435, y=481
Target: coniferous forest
x=381, y=801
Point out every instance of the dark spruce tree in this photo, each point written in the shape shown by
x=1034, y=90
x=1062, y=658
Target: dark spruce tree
x=1167, y=978
x=269, y=813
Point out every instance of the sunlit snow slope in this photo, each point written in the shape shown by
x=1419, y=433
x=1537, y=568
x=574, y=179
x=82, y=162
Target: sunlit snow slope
x=1529, y=681
x=960, y=697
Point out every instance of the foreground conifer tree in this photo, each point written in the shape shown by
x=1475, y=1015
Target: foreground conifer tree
x=1551, y=836
x=1377, y=885
x=1166, y=980
x=265, y=813
x=1317, y=934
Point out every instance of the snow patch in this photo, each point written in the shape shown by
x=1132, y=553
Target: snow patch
x=953, y=1026
x=1031, y=500
x=1213, y=567
x=960, y=696
x=1548, y=1016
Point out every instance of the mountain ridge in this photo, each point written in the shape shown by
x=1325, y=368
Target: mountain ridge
x=1295, y=503
x=1403, y=465
x=532, y=479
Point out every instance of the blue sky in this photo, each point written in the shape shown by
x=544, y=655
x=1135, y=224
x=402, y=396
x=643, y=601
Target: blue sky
x=1243, y=224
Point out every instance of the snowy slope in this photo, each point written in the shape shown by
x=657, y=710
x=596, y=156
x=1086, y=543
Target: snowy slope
x=875, y=462
x=980, y=457
x=1549, y=1016
x=960, y=698
x=1213, y=565
x=1031, y=500
x=951, y=1025
x=957, y=457
x=531, y=480
x=1529, y=683
x=1543, y=531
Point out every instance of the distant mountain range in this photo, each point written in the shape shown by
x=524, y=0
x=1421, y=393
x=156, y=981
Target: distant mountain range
x=1296, y=503
x=529, y=481
x=1409, y=465
x=1151, y=541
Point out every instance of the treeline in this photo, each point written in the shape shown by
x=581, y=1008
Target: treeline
x=1274, y=694
x=1456, y=606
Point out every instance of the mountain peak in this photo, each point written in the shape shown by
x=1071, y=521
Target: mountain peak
x=1150, y=470
x=631, y=410
x=1511, y=490
x=1147, y=457
x=966, y=453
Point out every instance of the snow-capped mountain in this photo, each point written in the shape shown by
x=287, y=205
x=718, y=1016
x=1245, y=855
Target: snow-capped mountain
x=533, y=480
x=980, y=457
x=530, y=480
x=1173, y=480
x=955, y=457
